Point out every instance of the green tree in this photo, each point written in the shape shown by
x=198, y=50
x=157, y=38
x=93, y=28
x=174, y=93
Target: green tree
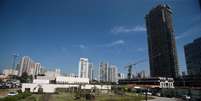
x=25, y=78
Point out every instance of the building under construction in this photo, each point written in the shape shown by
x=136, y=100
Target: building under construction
x=161, y=42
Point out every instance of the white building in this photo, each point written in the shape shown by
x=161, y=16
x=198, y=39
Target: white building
x=41, y=81
x=61, y=82
x=37, y=68
x=104, y=72
x=51, y=88
x=90, y=71
x=29, y=66
x=26, y=64
x=113, y=73
x=8, y=72
x=83, y=68
x=71, y=80
x=53, y=73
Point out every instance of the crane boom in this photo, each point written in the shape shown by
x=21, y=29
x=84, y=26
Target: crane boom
x=130, y=66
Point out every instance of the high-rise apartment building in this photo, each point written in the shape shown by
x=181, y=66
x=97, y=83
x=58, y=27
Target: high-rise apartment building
x=104, y=72
x=37, y=68
x=26, y=65
x=108, y=73
x=161, y=42
x=83, y=68
x=113, y=73
x=193, y=57
x=29, y=66
x=90, y=71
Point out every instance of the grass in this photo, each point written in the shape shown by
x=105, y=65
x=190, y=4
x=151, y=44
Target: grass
x=62, y=97
x=4, y=92
x=33, y=97
x=70, y=97
x=127, y=97
x=16, y=97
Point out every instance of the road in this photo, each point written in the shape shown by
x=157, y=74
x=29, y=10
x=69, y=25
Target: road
x=164, y=99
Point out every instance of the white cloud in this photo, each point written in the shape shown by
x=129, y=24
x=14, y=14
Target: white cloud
x=118, y=42
x=178, y=37
x=140, y=49
x=193, y=30
x=80, y=46
x=124, y=29
x=114, y=43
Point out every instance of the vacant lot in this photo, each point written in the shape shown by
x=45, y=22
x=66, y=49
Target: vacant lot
x=4, y=92
x=70, y=97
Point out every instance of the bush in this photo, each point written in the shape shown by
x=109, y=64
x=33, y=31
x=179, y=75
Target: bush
x=16, y=98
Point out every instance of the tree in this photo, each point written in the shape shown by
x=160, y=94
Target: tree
x=25, y=78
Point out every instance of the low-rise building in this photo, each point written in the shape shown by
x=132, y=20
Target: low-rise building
x=154, y=82
x=61, y=82
x=41, y=81
x=8, y=72
x=71, y=80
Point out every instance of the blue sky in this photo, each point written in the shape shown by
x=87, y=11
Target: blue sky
x=57, y=33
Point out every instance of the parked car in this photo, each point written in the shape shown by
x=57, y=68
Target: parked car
x=12, y=93
x=158, y=94
x=186, y=97
x=148, y=93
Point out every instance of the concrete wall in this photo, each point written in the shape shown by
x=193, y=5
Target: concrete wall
x=41, y=81
x=73, y=80
x=51, y=88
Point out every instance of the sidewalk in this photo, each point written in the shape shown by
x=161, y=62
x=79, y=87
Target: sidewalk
x=164, y=99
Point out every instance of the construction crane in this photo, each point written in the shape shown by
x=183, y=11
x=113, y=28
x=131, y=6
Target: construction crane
x=130, y=66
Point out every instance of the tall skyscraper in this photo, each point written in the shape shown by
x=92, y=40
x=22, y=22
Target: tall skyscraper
x=103, y=72
x=26, y=65
x=200, y=4
x=113, y=73
x=37, y=68
x=161, y=42
x=193, y=57
x=90, y=71
x=108, y=73
x=29, y=66
x=83, y=68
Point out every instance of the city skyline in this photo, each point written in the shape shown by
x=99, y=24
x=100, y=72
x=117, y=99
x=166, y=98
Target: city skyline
x=57, y=36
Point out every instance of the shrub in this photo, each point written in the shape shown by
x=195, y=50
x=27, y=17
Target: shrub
x=16, y=98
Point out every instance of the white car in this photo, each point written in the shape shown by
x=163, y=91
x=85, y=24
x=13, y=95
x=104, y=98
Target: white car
x=12, y=93
x=186, y=97
x=148, y=93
